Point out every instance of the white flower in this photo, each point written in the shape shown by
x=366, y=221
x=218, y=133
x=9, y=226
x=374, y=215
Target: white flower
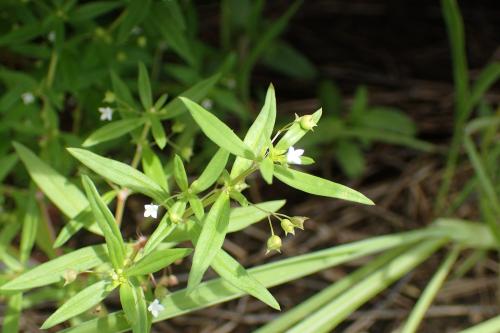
x=51, y=36
x=155, y=308
x=106, y=113
x=293, y=155
x=151, y=210
x=27, y=98
x=207, y=103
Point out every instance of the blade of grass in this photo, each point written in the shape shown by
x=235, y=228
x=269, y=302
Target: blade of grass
x=455, y=28
x=488, y=326
x=332, y=314
x=425, y=300
x=312, y=304
x=217, y=291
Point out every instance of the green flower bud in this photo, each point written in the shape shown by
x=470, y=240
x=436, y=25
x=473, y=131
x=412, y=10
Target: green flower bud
x=273, y=243
x=69, y=276
x=109, y=97
x=141, y=41
x=160, y=292
x=307, y=122
x=178, y=127
x=298, y=221
x=287, y=227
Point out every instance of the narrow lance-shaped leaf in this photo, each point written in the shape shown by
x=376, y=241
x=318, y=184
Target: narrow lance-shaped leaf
x=180, y=174
x=217, y=131
x=195, y=93
x=112, y=130
x=157, y=260
x=134, y=306
x=260, y=132
x=152, y=167
x=134, y=14
x=165, y=228
x=272, y=274
x=267, y=169
x=318, y=186
x=29, y=232
x=212, y=172
x=120, y=173
x=81, y=302
x=211, y=238
x=12, y=314
x=144, y=87
x=231, y=271
x=158, y=132
x=107, y=223
x=66, y=196
x=84, y=219
x=53, y=271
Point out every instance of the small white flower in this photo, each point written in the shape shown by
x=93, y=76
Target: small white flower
x=27, y=98
x=155, y=308
x=293, y=155
x=106, y=113
x=51, y=36
x=151, y=210
x=207, y=103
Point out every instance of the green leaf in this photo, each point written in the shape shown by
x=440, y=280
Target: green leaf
x=211, y=238
x=488, y=76
x=197, y=206
x=81, y=302
x=180, y=174
x=195, y=93
x=135, y=13
x=360, y=104
x=122, y=92
x=487, y=326
x=388, y=119
x=266, y=169
x=217, y=131
x=425, y=299
x=167, y=16
x=12, y=314
x=66, y=196
x=29, y=232
x=144, y=88
x=285, y=59
x=89, y=11
x=212, y=172
x=165, y=228
x=231, y=271
x=84, y=219
x=120, y=173
x=152, y=167
x=112, y=131
x=158, y=132
x=275, y=273
x=53, y=271
x=134, y=306
x=332, y=314
x=350, y=158
x=157, y=260
x=107, y=223
x=259, y=133
x=6, y=164
x=318, y=186
x=312, y=304
x=295, y=133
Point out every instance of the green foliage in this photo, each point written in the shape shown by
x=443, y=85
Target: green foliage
x=164, y=96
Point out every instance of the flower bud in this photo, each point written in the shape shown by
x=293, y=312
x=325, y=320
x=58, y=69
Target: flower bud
x=160, y=292
x=273, y=243
x=298, y=221
x=109, y=97
x=69, y=276
x=287, y=227
x=307, y=122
